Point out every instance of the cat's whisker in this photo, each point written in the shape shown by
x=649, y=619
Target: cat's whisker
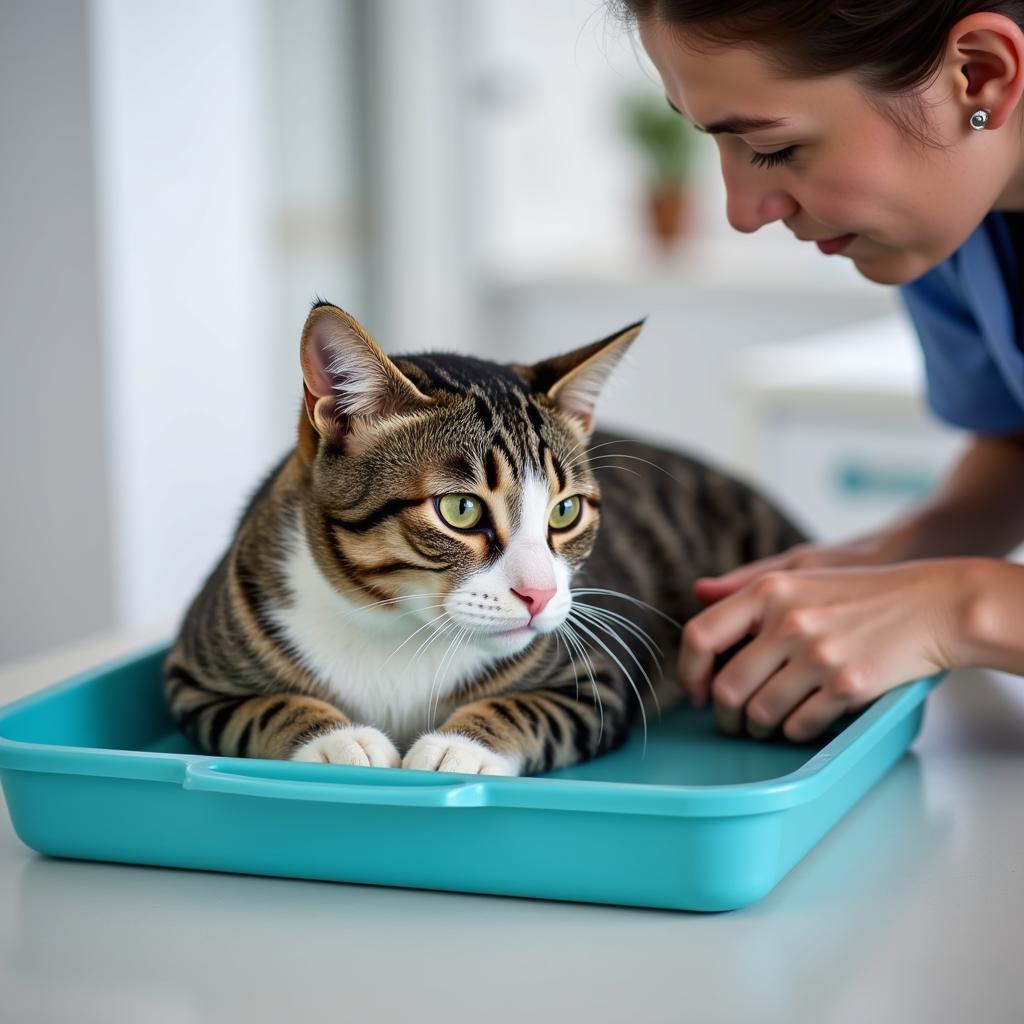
x=449, y=662
x=463, y=641
x=609, y=625
x=414, y=611
x=415, y=633
x=624, y=469
x=388, y=601
x=622, y=455
x=572, y=452
x=636, y=458
x=441, y=630
x=653, y=647
x=650, y=644
x=588, y=663
x=572, y=636
x=560, y=643
x=597, y=623
x=585, y=455
x=625, y=597
x=397, y=680
x=596, y=462
x=392, y=600
x=447, y=658
x=452, y=636
x=629, y=679
x=446, y=630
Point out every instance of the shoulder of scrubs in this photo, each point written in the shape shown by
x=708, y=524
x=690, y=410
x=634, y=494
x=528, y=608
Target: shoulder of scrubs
x=965, y=323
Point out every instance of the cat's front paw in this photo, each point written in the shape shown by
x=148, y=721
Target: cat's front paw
x=452, y=752
x=351, y=744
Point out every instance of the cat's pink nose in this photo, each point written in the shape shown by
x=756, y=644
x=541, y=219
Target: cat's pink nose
x=535, y=598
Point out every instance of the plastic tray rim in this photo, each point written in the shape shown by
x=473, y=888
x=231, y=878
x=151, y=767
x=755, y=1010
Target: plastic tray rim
x=350, y=784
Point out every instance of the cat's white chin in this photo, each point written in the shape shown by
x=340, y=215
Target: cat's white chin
x=508, y=641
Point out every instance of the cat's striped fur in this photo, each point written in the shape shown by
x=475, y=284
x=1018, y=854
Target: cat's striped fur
x=348, y=622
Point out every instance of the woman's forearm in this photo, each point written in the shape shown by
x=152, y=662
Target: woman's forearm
x=988, y=622
x=978, y=510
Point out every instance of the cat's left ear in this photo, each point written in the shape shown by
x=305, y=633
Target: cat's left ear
x=574, y=380
x=347, y=377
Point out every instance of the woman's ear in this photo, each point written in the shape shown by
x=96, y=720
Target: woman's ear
x=347, y=377
x=986, y=54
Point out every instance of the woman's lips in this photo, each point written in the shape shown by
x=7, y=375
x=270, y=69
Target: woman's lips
x=830, y=246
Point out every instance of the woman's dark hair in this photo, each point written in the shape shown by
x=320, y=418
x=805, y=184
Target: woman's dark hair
x=892, y=46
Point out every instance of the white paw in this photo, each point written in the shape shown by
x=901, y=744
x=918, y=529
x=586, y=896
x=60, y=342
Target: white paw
x=451, y=752
x=351, y=744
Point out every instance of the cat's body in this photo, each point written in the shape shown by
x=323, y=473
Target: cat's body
x=286, y=652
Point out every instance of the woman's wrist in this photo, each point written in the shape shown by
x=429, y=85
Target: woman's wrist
x=937, y=529
x=987, y=602
x=901, y=541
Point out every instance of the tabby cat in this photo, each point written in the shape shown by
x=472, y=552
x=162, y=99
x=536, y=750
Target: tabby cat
x=422, y=583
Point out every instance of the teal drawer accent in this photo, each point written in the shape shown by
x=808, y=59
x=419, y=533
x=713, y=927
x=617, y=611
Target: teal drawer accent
x=857, y=478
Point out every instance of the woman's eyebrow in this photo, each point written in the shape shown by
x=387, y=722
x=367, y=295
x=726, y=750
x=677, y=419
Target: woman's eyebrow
x=735, y=125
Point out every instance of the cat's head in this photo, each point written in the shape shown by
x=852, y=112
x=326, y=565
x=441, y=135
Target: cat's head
x=450, y=486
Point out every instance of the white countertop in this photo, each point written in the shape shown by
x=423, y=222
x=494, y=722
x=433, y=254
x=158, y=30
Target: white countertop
x=910, y=909
x=877, y=359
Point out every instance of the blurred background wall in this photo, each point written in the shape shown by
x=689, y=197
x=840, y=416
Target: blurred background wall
x=179, y=180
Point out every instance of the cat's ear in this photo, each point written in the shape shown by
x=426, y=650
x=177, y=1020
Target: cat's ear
x=574, y=380
x=346, y=376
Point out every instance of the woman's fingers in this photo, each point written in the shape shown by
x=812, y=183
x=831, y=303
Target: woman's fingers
x=710, y=589
x=740, y=679
x=728, y=720
x=770, y=705
x=813, y=716
x=710, y=633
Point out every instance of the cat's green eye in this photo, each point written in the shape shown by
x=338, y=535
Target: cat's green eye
x=565, y=513
x=462, y=511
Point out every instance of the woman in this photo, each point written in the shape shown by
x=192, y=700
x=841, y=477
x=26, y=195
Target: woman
x=891, y=134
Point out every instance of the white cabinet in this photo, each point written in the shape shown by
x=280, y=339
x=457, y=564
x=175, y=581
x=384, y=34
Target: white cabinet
x=675, y=385
x=835, y=426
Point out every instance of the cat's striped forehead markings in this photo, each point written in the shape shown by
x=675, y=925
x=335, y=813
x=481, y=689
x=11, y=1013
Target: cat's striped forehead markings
x=491, y=470
x=461, y=472
x=558, y=472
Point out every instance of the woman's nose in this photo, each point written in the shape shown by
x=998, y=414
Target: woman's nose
x=750, y=203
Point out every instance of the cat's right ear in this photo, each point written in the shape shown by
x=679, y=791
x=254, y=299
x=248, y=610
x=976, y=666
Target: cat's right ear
x=347, y=378
x=574, y=380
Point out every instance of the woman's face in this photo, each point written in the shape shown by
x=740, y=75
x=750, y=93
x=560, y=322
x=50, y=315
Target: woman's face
x=834, y=166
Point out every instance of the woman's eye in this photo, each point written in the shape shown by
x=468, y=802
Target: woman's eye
x=776, y=159
x=463, y=511
x=565, y=513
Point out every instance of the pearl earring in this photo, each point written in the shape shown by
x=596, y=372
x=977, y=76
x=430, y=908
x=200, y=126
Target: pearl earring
x=979, y=119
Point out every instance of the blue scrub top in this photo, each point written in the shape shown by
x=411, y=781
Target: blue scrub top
x=964, y=314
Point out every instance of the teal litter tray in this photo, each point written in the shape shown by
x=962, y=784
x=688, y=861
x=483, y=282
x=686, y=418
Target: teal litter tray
x=94, y=768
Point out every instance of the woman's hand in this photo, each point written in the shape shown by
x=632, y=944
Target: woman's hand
x=873, y=549
x=825, y=640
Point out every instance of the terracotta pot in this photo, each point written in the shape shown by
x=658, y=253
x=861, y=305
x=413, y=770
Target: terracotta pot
x=668, y=212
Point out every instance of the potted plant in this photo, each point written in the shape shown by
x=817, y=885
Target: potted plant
x=667, y=144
